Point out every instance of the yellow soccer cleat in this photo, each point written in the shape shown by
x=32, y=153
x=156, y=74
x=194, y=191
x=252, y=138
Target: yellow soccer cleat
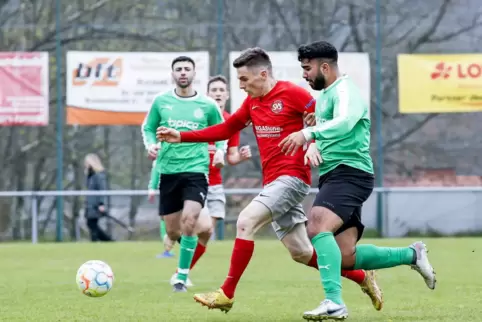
x=370, y=288
x=215, y=300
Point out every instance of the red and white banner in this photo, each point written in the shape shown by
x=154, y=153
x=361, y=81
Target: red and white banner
x=24, y=88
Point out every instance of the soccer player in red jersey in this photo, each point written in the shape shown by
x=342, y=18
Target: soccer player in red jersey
x=275, y=109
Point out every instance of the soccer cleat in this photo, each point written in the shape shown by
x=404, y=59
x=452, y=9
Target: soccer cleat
x=371, y=288
x=327, y=310
x=166, y=254
x=215, y=300
x=174, y=280
x=422, y=264
x=179, y=288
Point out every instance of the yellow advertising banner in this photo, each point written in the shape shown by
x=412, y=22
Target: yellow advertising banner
x=440, y=83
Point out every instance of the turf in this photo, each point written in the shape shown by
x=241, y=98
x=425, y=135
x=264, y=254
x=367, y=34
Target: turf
x=37, y=283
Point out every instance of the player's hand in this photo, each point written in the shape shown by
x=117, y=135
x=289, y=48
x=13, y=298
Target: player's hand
x=309, y=118
x=292, y=143
x=165, y=134
x=245, y=152
x=151, y=195
x=313, y=156
x=152, y=151
x=218, y=159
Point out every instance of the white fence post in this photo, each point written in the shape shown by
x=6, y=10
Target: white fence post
x=34, y=206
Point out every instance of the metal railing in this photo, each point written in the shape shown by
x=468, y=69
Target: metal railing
x=401, y=206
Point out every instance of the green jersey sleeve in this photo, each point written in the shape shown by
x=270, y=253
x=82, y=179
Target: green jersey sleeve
x=216, y=117
x=347, y=111
x=155, y=176
x=150, y=124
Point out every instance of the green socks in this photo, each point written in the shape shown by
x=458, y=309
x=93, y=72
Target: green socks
x=162, y=229
x=371, y=257
x=329, y=265
x=188, y=246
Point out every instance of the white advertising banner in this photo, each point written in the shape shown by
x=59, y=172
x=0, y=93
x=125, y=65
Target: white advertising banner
x=117, y=88
x=287, y=67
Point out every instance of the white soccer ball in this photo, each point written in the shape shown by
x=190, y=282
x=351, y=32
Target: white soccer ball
x=95, y=278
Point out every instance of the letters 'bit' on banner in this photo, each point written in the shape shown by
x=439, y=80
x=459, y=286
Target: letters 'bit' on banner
x=117, y=88
x=287, y=67
x=440, y=83
x=24, y=89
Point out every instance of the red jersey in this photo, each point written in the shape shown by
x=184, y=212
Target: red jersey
x=215, y=176
x=273, y=116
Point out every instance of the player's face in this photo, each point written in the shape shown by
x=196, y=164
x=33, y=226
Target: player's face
x=183, y=73
x=314, y=73
x=252, y=80
x=219, y=92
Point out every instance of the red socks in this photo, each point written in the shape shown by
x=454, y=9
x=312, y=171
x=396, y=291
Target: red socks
x=200, y=250
x=242, y=252
x=357, y=276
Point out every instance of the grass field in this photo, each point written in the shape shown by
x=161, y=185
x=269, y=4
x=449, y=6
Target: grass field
x=37, y=283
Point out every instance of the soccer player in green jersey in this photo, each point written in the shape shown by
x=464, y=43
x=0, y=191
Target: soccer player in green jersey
x=342, y=134
x=183, y=168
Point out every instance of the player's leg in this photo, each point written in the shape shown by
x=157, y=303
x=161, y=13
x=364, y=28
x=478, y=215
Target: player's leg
x=346, y=240
x=194, y=188
x=374, y=257
x=216, y=201
x=276, y=198
x=204, y=230
x=166, y=241
x=340, y=192
x=250, y=220
x=291, y=230
x=172, y=204
x=205, y=227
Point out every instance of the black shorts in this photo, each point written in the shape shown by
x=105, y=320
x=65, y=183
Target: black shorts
x=343, y=190
x=176, y=188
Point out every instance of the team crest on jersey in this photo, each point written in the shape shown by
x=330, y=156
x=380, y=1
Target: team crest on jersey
x=198, y=113
x=277, y=106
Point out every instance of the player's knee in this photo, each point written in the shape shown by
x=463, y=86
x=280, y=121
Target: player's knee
x=173, y=234
x=205, y=236
x=322, y=220
x=245, y=225
x=188, y=221
x=301, y=255
x=347, y=255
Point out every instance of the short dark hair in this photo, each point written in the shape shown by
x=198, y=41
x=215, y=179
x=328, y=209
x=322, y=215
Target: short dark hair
x=253, y=57
x=318, y=50
x=182, y=59
x=217, y=78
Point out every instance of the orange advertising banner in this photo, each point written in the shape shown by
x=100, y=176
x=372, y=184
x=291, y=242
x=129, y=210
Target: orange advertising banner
x=440, y=83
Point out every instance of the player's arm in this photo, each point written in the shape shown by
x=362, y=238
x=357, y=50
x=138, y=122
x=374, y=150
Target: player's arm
x=235, y=154
x=346, y=114
x=223, y=131
x=154, y=180
x=149, y=126
x=153, y=185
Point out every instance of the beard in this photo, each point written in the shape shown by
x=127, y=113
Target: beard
x=319, y=82
x=184, y=84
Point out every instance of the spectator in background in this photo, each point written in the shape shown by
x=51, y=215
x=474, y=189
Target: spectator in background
x=95, y=205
